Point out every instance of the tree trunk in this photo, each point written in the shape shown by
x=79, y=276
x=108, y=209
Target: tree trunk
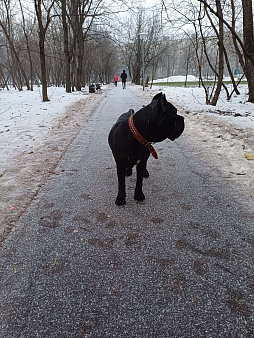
x=221, y=56
x=42, y=33
x=15, y=54
x=247, y=44
x=67, y=53
x=187, y=68
x=230, y=73
x=137, y=65
x=248, y=38
x=43, y=69
x=3, y=80
x=79, y=59
x=77, y=37
x=136, y=74
x=27, y=46
x=218, y=34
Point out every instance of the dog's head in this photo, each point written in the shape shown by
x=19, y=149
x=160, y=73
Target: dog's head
x=170, y=124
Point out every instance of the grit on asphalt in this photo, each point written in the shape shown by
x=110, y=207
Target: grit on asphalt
x=179, y=264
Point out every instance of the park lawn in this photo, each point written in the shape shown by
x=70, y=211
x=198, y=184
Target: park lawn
x=190, y=83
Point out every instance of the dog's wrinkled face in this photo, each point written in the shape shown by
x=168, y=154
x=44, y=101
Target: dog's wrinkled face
x=171, y=125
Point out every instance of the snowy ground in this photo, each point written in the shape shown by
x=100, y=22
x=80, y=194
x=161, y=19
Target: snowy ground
x=193, y=100
x=34, y=136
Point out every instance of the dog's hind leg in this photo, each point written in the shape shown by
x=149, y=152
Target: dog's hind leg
x=146, y=174
x=120, y=200
x=141, y=169
x=128, y=171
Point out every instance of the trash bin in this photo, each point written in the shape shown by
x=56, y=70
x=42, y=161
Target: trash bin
x=92, y=88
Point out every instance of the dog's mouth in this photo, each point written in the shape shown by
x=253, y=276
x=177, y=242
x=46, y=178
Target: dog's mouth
x=178, y=128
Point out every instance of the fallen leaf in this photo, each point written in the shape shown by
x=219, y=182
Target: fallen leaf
x=15, y=270
x=249, y=156
x=55, y=261
x=12, y=208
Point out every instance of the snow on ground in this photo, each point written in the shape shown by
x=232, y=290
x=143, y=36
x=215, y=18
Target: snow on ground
x=25, y=119
x=34, y=136
x=193, y=99
x=178, y=78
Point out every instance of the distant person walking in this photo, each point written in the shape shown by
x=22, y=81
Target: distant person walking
x=115, y=79
x=124, y=77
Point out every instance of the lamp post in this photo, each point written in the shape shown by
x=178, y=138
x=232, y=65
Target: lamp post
x=142, y=36
x=168, y=69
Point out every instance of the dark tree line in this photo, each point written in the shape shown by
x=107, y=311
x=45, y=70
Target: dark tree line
x=228, y=20
x=72, y=43
x=56, y=42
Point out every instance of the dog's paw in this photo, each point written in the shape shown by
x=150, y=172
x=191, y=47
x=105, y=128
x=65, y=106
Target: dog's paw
x=139, y=196
x=128, y=172
x=146, y=174
x=120, y=201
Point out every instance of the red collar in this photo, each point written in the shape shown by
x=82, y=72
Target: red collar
x=140, y=138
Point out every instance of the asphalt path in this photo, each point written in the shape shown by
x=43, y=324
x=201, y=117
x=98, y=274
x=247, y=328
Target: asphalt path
x=179, y=264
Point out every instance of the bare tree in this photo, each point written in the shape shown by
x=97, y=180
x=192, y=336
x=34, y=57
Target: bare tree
x=70, y=52
x=152, y=43
x=220, y=35
x=44, y=17
x=225, y=56
x=6, y=26
x=221, y=16
x=246, y=44
x=155, y=46
x=248, y=38
x=26, y=34
x=67, y=52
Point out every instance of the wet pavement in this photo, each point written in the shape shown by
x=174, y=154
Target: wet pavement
x=179, y=264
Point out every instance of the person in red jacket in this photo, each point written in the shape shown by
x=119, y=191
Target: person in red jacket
x=115, y=79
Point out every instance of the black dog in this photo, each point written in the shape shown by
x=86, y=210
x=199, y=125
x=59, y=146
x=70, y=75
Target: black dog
x=155, y=122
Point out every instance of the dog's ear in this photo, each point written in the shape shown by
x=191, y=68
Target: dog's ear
x=167, y=106
x=157, y=97
x=163, y=102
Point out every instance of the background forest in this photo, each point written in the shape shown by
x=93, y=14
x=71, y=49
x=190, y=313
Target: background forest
x=74, y=43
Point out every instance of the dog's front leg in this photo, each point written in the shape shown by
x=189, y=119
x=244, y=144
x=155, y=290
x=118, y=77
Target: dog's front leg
x=141, y=168
x=120, y=200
